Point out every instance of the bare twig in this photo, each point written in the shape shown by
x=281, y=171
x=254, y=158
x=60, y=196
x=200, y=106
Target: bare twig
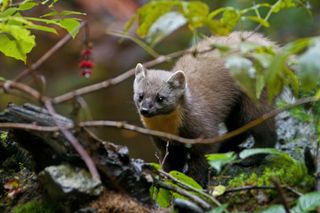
x=143, y=45
x=120, y=78
x=33, y=127
x=74, y=142
x=247, y=188
x=47, y=55
x=7, y=85
x=282, y=195
x=220, y=138
x=203, y=204
x=162, y=162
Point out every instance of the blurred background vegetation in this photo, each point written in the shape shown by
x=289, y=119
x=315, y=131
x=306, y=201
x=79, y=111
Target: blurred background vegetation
x=112, y=57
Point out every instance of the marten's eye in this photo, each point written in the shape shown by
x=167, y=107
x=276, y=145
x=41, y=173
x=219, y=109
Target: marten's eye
x=160, y=98
x=140, y=97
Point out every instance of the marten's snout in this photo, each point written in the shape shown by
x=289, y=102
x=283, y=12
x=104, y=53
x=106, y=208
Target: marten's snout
x=145, y=111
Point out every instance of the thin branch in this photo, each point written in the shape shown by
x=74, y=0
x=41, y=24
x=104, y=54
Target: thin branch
x=120, y=78
x=203, y=204
x=33, y=127
x=143, y=45
x=47, y=55
x=74, y=142
x=282, y=195
x=247, y=188
x=162, y=162
x=7, y=85
x=217, y=139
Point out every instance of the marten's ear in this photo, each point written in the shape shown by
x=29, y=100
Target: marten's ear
x=140, y=70
x=177, y=80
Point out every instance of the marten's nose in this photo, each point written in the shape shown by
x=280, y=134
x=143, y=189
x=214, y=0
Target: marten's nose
x=144, y=111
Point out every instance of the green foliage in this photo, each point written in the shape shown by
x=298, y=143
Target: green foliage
x=219, y=209
x=217, y=161
x=161, y=196
x=287, y=170
x=306, y=203
x=275, y=209
x=220, y=21
x=3, y=136
x=309, y=66
x=185, y=179
x=16, y=37
x=250, y=152
x=34, y=207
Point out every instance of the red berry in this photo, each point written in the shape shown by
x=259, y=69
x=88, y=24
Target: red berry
x=86, y=64
x=86, y=72
x=86, y=52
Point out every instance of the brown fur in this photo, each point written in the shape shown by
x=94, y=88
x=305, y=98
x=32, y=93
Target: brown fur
x=211, y=97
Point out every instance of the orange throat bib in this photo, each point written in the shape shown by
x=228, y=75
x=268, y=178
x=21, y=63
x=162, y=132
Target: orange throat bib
x=169, y=123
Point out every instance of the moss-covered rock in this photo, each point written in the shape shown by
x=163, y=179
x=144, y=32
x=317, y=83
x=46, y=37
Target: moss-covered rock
x=35, y=207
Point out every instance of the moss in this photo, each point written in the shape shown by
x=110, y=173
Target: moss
x=3, y=136
x=34, y=207
x=288, y=171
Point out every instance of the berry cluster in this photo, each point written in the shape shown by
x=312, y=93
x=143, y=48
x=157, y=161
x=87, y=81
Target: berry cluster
x=86, y=64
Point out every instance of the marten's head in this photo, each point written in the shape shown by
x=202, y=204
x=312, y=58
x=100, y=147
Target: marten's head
x=158, y=92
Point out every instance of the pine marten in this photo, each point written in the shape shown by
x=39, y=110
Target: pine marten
x=193, y=99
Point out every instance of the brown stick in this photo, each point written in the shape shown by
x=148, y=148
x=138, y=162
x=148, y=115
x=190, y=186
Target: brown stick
x=74, y=142
x=113, y=81
x=247, y=188
x=7, y=85
x=220, y=138
x=282, y=195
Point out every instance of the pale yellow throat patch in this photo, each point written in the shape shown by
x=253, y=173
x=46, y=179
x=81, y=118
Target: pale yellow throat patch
x=166, y=123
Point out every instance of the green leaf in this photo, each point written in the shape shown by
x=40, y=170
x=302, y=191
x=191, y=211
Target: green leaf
x=155, y=165
x=27, y=5
x=19, y=20
x=218, y=190
x=226, y=23
x=16, y=41
x=250, y=152
x=307, y=203
x=293, y=79
x=281, y=4
x=217, y=161
x=309, y=67
x=161, y=196
x=8, y=12
x=150, y=12
x=63, y=13
x=259, y=20
x=4, y=4
x=219, y=209
x=275, y=76
x=196, y=13
x=244, y=72
x=71, y=25
x=274, y=209
x=185, y=179
x=42, y=28
x=164, y=26
x=3, y=135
